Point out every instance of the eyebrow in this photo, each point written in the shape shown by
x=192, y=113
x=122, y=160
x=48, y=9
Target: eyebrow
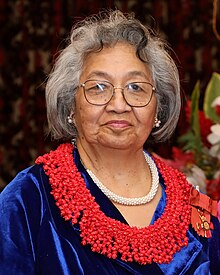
x=129, y=74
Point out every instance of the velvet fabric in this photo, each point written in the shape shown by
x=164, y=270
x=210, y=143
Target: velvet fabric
x=35, y=239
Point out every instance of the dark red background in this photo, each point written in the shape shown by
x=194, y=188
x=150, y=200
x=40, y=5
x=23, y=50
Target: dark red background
x=33, y=31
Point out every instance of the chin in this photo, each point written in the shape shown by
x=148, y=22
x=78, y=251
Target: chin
x=125, y=141
x=118, y=144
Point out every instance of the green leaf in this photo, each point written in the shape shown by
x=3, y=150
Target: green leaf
x=212, y=91
x=189, y=142
x=194, y=118
x=192, y=139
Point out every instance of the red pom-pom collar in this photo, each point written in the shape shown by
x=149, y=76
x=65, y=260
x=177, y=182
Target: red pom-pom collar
x=154, y=243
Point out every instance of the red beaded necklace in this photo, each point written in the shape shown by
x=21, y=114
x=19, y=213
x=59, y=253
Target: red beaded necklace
x=154, y=243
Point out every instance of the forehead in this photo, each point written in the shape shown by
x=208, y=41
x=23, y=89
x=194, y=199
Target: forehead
x=117, y=61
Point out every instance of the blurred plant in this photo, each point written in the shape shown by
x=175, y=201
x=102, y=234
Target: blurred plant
x=198, y=151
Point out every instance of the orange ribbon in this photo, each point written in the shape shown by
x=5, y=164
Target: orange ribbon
x=202, y=208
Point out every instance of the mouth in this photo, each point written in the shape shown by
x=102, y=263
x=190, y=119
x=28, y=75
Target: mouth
x=118, y=124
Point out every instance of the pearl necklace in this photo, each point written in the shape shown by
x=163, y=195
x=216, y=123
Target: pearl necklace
x=131, y=201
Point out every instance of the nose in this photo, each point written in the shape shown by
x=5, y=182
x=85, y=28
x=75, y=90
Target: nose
x=118, y=103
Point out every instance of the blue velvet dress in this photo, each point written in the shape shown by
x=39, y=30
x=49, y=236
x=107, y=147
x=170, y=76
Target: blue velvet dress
x=35, y=239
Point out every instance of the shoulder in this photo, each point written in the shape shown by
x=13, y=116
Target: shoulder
x=25, y=188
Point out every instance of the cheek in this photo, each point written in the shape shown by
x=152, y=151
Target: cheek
x=80, y=110
x=81, y=117
x=147, y=124
x=86, y=118
x=149, y=114
x=146, y=117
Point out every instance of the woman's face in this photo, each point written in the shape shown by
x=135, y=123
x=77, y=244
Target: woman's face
x=115, y=125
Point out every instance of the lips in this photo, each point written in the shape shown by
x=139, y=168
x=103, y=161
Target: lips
x=118, y=123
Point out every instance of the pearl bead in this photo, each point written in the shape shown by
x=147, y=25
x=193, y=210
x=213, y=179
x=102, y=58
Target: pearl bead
x=131, y=201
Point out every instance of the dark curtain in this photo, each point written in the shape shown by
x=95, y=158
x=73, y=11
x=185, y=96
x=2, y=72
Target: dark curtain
x=32, y=32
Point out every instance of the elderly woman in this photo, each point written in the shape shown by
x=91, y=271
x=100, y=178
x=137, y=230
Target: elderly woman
x=101, y=204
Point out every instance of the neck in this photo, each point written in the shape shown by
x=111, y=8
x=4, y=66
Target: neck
x=96, y=157
x=123, y=171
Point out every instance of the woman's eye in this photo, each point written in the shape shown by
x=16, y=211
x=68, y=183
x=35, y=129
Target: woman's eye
x=97, y=87
x=100, y=86
x=134, y=87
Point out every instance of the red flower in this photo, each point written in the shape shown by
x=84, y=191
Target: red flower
x=217, y=109
x=188, y=110
x=181, y=157
x=213, y=188
x=205, y=125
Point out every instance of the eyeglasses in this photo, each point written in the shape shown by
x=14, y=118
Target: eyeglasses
x=136, y=94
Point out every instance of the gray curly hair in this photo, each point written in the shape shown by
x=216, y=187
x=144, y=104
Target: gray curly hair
x=94, y=33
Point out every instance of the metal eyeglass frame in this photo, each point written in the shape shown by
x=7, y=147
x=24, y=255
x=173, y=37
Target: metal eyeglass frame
x=113, y=92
